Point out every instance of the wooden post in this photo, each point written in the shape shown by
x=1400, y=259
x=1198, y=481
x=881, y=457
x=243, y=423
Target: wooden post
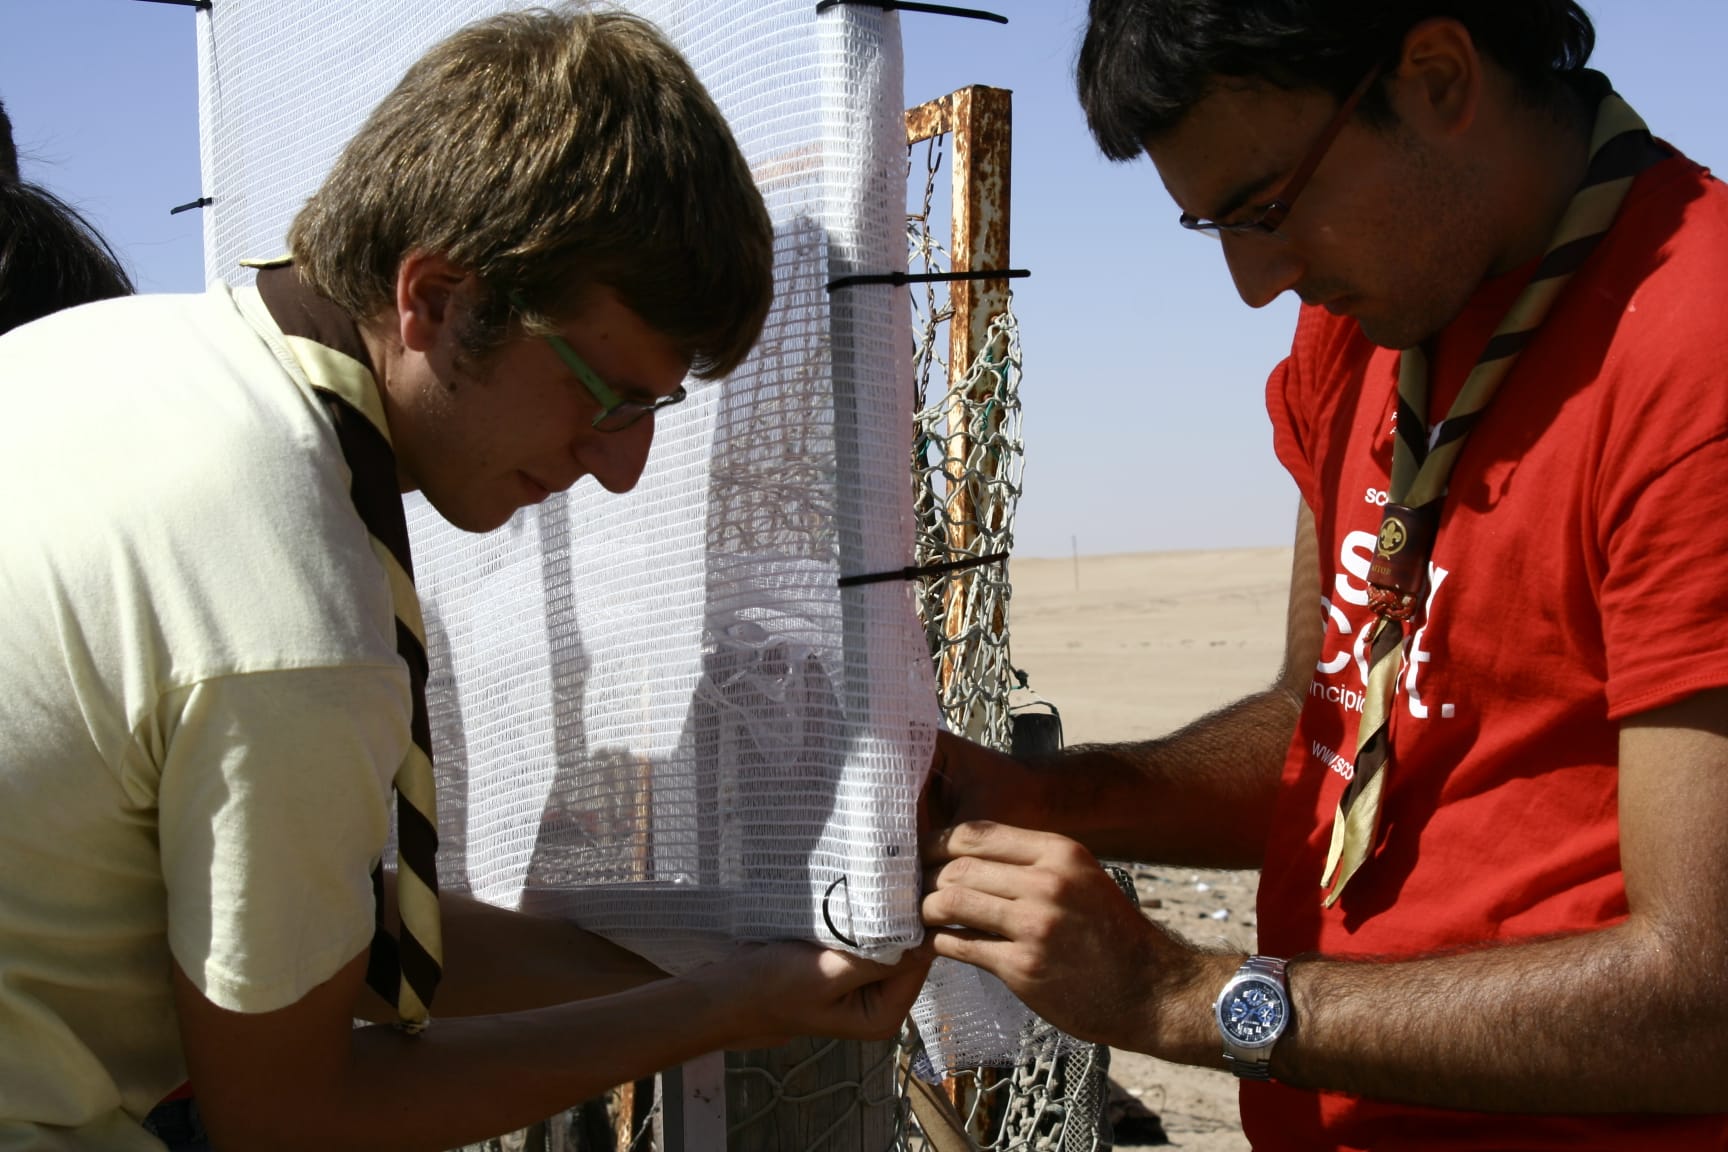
x=693, y=1105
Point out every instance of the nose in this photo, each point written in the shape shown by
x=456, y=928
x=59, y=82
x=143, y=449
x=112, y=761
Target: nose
x=616, y=459
x=1263, y=267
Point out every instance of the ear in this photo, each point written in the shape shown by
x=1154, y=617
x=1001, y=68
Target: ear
x=1437, y=88
x=430, y=293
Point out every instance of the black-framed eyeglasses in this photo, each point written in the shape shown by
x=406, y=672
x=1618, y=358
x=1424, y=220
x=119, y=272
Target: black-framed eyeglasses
x=1267, y=218
x=616, y=412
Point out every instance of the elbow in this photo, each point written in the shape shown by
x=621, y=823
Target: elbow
x=1674, y=994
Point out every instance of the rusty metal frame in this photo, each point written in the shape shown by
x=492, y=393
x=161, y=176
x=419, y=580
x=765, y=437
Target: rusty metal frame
x=979, y=123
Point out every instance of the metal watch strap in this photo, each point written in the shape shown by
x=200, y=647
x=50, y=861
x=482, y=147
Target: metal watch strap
x=1258, y=1065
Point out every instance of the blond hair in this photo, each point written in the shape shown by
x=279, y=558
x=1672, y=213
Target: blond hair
x=548, y=152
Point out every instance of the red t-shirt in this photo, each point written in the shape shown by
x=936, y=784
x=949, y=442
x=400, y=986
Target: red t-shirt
x=1580, y=577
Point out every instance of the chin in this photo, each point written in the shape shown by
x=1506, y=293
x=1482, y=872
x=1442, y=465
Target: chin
x=481, y=524
x=1393, y=334
x=476, y=520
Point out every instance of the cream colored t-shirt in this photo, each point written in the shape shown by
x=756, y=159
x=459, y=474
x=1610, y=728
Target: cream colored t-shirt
x=201, y=706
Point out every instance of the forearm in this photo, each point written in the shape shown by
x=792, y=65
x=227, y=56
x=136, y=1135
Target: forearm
x=1201, y=796
x=302, y=1076
x=497, y=960
x=1616, y=1020
x=467, y=1080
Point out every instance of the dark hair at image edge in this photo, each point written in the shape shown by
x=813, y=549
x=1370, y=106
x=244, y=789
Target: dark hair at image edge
x=50, y=257
x=1145, y=63
x=8, y=148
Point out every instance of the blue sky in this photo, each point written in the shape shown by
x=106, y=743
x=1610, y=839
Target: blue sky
x=1144, y=373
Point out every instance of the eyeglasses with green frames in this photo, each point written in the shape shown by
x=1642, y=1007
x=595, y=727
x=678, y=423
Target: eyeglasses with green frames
x=616, y=413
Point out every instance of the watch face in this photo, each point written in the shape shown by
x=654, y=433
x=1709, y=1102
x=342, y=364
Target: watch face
x=1253, y=1012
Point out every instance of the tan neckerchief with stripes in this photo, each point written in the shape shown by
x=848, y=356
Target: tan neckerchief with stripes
x=1620, y=148
x=327, y=345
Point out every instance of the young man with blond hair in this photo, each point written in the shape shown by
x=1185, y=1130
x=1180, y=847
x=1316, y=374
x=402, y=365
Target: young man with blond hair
x=209, y=677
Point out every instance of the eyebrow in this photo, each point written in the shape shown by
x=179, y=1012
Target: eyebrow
x=1245, y=194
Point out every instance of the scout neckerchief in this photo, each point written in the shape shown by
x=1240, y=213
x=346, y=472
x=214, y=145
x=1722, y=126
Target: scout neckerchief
x=1422, y=459
x=328, y=347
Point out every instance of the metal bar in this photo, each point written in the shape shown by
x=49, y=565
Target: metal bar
x=915, y=6
x=932, y=118
x=982, y=124
x=926, y=277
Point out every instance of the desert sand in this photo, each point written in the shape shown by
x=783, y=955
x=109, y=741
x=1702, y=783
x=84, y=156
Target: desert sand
x=1131, y=647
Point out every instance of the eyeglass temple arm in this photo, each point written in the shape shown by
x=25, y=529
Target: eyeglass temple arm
x=1299, y=179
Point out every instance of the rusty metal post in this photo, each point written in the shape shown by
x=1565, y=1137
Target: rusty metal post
x=982, y=120
x=979, y=123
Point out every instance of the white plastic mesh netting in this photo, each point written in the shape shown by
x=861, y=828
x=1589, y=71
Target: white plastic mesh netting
x=658, y=712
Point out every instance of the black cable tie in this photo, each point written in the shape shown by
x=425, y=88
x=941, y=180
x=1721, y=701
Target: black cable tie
x=927, y=570
x=911, y=6
x=828, y=919
x=199, y=5
x=201, y=202
x=927, y=277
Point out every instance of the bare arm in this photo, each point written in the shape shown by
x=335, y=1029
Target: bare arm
x=496, y=960
x=302, y=1077
x=1201, y=796
x=1627, y=1018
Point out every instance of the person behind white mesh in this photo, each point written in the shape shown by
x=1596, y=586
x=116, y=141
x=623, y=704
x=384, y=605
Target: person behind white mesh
x=516, y=261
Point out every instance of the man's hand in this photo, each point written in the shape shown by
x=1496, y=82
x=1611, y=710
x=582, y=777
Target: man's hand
x=795, y=989
x=1036, y=910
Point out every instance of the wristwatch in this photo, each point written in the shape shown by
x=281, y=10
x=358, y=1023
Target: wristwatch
x=1253, y=1010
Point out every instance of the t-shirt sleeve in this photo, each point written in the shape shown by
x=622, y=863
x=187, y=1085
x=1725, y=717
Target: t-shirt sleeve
x=1292, y=411
x=1664, y=595
x=272, y=810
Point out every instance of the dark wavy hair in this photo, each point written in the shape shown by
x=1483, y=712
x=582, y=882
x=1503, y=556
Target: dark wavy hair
x=1145, y=63
x=50, y=257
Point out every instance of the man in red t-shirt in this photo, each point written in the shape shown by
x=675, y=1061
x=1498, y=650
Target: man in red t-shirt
x=1531, y=952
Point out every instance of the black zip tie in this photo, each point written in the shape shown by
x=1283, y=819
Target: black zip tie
x=828, y=919
x=927, y=277
x=927, y=570
x=909, y=6
x=202, y=201
x=200, y=5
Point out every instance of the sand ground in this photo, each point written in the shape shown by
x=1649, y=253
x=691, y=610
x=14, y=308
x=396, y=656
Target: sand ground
x=1129, y=648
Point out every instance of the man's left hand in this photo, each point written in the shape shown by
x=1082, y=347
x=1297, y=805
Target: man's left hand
x=1037, y=910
